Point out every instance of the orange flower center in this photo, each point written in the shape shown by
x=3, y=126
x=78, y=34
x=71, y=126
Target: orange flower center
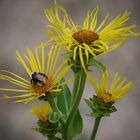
x=85, y=36
x=106, y=97
x=41, y=89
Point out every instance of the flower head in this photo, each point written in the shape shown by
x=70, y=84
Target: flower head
x=43, y=78
x=117, y=90
x=90, y=39
x=41, y=111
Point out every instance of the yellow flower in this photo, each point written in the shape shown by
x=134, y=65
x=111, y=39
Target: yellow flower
x=117, y=90
x=90, y=39
x=41, y=111
x=43, y=78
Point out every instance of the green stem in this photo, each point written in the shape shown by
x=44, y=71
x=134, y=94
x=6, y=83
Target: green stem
x=52, y=103
x=82, y=79
x=75, y=87
x=52, y=138
x=49, y=138
x=95, y=129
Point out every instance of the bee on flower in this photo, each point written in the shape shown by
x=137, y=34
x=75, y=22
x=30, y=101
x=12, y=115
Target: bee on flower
x=43, y=78
x=91, y=38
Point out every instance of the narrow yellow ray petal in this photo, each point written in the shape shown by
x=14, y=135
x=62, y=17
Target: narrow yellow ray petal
x=102, y=23
x=122, y=92
x=119, y=86
x=56, y=10
x=58, y=31
x=101, y=45
x=61, y=74
x=16, y=90
x=32, y=59
x=92, y=81
x=115, y=82
x=25, y=101
x=17, y=76
x=105, y=80
x=86, y=22
x=16, y=83
x=37, y=59
x=126, y=88
x=58, y=51
x=28, y=99
x=45, y=44
x=49, y=61
x=75, y=52
x=12, y=80
x=89, y=49
x=114, y=46
x=99, y=80
x=43, y=60
x=81, y=60
x=60, y=67
x=87, y=54
x=53, y=54
x=94, y=19
x=67, y=81
x=69, y=20
x=32, y=66
x=117, y=22
x=23, y=63
x=98, y=49
x=55, y=90
x=17, y=96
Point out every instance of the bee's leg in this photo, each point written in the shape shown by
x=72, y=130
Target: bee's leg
x=32, y=83
x=40, y=83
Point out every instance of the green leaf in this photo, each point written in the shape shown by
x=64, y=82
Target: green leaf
x=97, y=64
x=54, y=117
x=56, y=138
x=64, y=99
x=76, y=125
x=64, y=102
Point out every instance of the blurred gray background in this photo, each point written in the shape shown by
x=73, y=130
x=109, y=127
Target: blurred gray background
x=23, y=24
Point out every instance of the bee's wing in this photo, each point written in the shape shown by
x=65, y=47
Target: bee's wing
x=41, y=78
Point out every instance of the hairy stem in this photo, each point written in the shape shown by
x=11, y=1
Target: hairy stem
x=95, y=129
x=52, y=103
x=75, y=87
x=81, y=78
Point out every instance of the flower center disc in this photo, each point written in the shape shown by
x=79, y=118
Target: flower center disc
x=85, y=36
x=42, y=89
x=106, y=97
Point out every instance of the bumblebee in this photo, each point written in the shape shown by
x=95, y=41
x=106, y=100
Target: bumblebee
x=38, y=79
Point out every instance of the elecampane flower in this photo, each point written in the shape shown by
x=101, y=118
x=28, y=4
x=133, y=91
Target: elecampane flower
x=117, y=89
x=91, y=38
x=41, y=111
x=43, y=78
